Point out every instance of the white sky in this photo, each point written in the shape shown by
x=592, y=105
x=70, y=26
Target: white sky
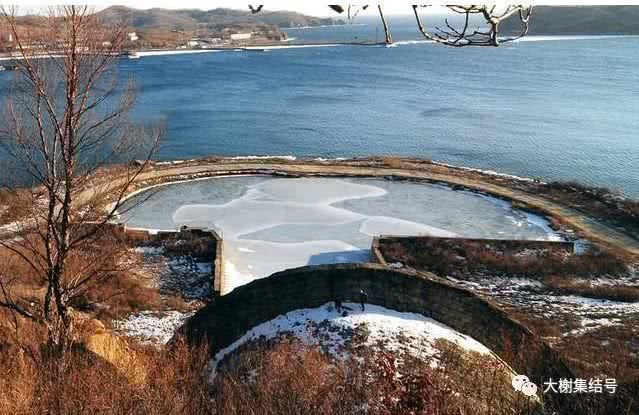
x=315, y=8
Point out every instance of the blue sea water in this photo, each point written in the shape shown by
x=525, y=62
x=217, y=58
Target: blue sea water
x=549, y=108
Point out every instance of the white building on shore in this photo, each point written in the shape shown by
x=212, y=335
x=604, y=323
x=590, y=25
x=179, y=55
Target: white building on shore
x=241, y=36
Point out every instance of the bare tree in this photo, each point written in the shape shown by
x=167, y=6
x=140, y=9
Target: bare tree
x=65, y=123
x=470, y=34
x=388, y=39
x=353, y=10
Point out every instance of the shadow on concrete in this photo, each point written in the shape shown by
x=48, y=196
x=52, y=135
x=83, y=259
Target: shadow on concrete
x=341, y=257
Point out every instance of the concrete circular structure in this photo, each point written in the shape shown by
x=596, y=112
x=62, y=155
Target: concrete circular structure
x=513, y=189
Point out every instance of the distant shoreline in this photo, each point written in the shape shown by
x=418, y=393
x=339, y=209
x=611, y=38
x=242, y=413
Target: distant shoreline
x=287, y=45
x=228, y=48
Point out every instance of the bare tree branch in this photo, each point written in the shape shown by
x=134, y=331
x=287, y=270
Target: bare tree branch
x=65, y=122
x=491, y=17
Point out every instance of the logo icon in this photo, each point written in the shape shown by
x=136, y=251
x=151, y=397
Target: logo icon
x=522, y=384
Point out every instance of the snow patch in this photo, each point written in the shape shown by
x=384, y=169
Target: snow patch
x=289, y=158
x=333, y=332
x=146, y=53
x=588, y=325
x=246, y=260
x=152, y=327
x=149, y=250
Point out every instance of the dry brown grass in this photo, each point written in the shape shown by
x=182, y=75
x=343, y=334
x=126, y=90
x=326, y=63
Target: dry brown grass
x=598, y=202
x=147, y=382
x=620, y=363
x=632, y=207
x=116, y=291
x=443, y=257
x=287, y=378
x=587, y=289
x=18, y=278
x=82, y=383
x=610, y=350
x=123, y=294
x=293, y=379
x=12, y=204
x=202, y=248
x=392, y=161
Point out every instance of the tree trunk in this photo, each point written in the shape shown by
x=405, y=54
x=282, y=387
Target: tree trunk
x=387, y=34
x=70, y=112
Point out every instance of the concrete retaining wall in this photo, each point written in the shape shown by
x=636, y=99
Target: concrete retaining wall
x=227, y=318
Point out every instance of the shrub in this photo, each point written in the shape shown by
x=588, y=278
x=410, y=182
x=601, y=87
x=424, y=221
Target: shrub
x=587, y=289
x=599, y=202
x=632, y=207
x=12, y=204
x=82, y=383
x=290, y=378
x=199, y=247
x=448, y=256
x=286, y=378
x=393, y=162
x=117, y=288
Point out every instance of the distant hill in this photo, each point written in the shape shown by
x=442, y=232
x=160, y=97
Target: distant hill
x=580, y=20
x=193, y=19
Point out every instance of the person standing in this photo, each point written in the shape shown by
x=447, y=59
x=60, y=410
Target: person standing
x=363, y=298
x=338, y=305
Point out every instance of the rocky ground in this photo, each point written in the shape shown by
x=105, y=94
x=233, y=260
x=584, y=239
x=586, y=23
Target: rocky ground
x=571, y=315
x=184, y=284
x=585, y=304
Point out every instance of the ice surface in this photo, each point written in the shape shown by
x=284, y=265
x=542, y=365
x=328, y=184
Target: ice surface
x=271, y=224
x=381, y=225
x=246, y=216
x=320, y=191
x=246, y=260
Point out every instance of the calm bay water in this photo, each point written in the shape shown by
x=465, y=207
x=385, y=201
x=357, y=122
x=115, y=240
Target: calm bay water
x=555, y=109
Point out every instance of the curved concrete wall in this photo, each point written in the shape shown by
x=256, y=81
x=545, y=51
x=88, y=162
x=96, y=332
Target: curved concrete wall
x=227, y=318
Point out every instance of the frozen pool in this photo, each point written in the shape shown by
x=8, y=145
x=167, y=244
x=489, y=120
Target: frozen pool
x=269, y=224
